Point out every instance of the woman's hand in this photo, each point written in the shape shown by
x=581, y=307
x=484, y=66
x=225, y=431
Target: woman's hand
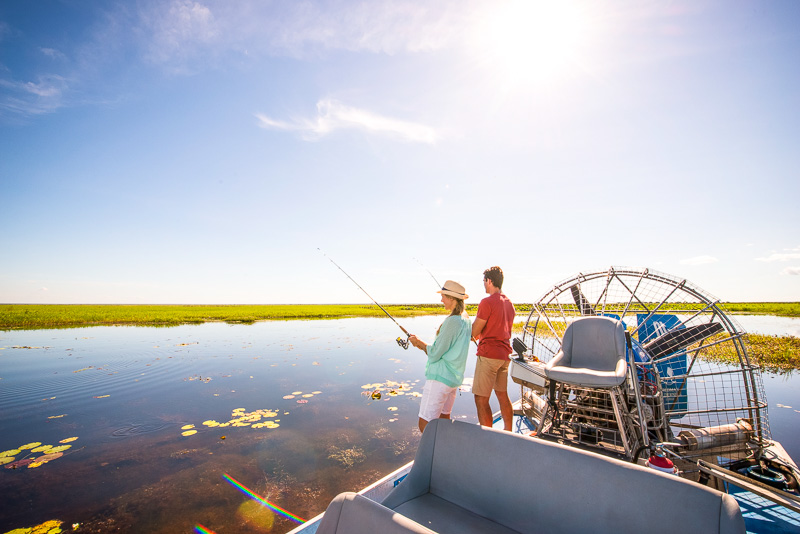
x=417, y=342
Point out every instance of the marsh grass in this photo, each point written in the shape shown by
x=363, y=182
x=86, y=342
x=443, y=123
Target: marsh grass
x=18, y=316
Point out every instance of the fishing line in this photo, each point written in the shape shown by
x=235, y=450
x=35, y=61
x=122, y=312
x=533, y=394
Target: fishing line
x=438, y=284
x=430, y=273
x=400, y=341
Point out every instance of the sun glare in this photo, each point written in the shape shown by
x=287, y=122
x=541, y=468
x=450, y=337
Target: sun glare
x=531, y=40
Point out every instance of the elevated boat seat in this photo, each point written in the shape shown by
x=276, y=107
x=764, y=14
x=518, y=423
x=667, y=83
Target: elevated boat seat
x=592, y=354
x=588, y=388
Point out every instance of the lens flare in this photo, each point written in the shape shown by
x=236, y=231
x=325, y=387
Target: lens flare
x=200, y=529
x=236, y=484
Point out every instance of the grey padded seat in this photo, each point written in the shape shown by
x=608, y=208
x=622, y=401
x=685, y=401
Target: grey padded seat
x=592, y=354
x=472, y=479
x=350, y=513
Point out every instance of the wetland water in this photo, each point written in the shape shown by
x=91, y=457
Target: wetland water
x=288, y=399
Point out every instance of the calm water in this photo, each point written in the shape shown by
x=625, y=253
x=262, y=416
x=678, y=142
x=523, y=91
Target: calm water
x=127, y=393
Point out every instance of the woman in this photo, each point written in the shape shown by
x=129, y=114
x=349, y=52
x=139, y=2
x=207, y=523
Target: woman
x=447, y=357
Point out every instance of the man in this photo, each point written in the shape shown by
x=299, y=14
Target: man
x=492, y=326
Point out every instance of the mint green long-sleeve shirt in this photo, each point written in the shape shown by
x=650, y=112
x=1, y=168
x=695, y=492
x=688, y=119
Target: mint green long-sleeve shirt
x=447, y=355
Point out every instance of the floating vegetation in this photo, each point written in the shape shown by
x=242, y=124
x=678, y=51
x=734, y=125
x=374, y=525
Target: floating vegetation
x=287, y=397
x=57, y=416
x=101, y=396
x=302, y=401
x=240, y=417
x=68, y=440
x=390, y=388
x=48, y=527
x=392, y=408
x=8, y=459
x=198, y=377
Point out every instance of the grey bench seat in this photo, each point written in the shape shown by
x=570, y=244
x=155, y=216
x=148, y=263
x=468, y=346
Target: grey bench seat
x=471, y=479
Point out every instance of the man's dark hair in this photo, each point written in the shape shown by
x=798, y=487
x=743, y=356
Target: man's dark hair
x=495, y=274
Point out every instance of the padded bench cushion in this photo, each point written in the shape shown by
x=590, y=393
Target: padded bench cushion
x=350, y=513
x=530, y=485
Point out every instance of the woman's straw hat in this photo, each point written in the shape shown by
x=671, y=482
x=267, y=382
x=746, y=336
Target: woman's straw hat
x=454, y=289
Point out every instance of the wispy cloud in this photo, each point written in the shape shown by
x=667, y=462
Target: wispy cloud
x=786, y=255
x=32, y=98
x=183, y=31
x=52, y=53
x=332, y=115
x=177, y=31
x=699, y=260
x=791, y=271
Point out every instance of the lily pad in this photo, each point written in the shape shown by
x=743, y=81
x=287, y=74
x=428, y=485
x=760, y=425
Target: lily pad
x=49, y=457
x=19, y=463
x=60, y=448
x=43, y=448
x=189, y=433
x=68, y=440
x=30, y=445
x=11, y=452
x=187, y=427
x=288, y=397
x=6, y=460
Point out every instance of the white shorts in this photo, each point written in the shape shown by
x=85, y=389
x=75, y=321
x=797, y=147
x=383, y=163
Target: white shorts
x=437, y=399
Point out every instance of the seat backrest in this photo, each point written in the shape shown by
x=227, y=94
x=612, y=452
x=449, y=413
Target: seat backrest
x=596, y=343
x=528, y=484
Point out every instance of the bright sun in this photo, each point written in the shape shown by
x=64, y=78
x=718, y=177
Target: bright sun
x=531, y=40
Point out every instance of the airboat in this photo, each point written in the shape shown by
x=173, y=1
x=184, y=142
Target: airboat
x=645, y=368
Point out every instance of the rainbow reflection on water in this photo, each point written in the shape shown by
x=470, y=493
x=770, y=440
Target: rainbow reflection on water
x=238, y=485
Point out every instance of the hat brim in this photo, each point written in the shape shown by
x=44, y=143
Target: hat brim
x=454, y=295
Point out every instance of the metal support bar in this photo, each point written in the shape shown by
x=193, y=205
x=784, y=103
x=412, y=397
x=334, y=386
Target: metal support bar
x=792, y=502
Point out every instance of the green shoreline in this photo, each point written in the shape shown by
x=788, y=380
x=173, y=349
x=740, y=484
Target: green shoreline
x=772, y=352
x=30, y=316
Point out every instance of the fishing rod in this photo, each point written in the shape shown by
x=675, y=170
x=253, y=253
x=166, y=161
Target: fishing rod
x=400, y=341
x=438, y=284
x=430, y=273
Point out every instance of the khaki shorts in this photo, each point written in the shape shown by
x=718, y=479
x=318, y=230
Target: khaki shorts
x=490, y=374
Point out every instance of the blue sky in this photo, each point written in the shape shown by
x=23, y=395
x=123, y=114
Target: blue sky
x=165, y=151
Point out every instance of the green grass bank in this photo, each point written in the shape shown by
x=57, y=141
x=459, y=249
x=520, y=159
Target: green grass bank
x=18, y=316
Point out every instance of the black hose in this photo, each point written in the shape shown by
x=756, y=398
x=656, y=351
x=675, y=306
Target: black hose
x=638, y=452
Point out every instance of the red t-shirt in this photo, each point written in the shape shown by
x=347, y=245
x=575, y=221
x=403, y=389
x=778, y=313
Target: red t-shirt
x=498, y=312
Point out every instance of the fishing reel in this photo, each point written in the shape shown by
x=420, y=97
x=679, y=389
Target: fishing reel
x=403, y=342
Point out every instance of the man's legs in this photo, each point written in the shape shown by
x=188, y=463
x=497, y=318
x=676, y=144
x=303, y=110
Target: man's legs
x=506, y=410
x=484, y=410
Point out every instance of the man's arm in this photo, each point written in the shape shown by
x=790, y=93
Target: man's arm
x=477, y=327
